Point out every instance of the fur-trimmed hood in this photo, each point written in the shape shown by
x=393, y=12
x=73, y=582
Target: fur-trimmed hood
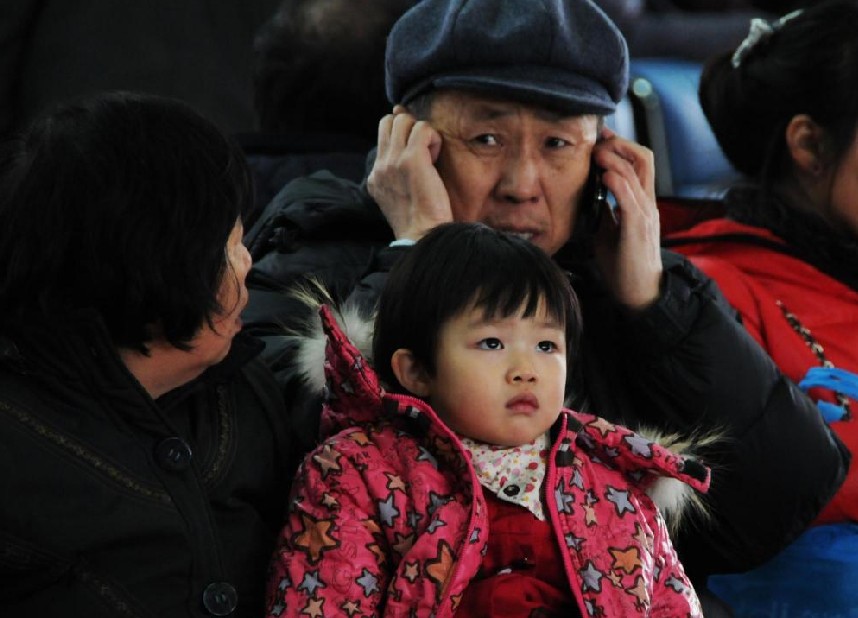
x=335, y=359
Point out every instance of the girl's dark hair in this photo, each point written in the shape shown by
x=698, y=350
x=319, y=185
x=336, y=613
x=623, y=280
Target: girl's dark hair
x=808, y=66
x=122, y=204
x=457, y=266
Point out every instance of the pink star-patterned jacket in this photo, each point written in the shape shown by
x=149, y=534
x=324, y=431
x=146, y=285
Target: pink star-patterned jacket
x=387, y=517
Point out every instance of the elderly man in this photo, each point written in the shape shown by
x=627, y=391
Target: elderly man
x=497, y=118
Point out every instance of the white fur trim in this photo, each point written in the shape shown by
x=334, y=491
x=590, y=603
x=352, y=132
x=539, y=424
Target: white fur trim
x=671, y=496
x=675, y=499
x=311, y=340
x=310, y=358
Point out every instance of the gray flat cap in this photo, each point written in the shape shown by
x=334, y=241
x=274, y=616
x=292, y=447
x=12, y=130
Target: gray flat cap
x=562, y=54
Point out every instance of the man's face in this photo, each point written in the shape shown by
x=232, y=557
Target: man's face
x=511, y=166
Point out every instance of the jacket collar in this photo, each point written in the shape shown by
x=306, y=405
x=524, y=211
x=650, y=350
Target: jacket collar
x=810, y=238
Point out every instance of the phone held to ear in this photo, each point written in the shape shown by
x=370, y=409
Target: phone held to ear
x=596, y=201
x=603, y=201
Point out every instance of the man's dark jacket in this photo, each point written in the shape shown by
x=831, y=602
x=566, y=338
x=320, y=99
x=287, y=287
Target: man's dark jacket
x=115, y=505
x=684, y=365
x=275, y=159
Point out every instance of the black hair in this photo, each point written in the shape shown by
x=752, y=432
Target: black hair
x=807, y=66
x=457, y=266
x=320, y=66
x=119, y=203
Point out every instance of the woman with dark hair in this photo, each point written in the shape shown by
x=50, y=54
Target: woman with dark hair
x=784, y=107
x=143, y=449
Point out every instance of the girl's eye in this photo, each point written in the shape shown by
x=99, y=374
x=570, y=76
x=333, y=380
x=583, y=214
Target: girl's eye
x=491, y=343
x=547, y=346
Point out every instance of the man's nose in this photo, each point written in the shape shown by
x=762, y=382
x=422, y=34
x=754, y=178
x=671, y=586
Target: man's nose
x=519, y=181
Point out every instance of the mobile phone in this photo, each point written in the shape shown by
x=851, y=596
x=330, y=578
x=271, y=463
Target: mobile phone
x=595, y=201
x=603, y=200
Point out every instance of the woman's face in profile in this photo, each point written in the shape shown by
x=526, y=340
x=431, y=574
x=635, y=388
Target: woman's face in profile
x=211, y=345
x=844, y=189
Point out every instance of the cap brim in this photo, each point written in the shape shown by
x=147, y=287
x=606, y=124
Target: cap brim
x=573, y=94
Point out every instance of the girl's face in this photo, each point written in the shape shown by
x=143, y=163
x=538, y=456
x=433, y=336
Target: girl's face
x=499, y=380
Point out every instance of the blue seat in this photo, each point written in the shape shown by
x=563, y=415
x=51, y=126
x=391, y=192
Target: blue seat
x=688, y=161
x=622, y=121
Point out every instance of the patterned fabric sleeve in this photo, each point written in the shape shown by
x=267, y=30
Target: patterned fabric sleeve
x=673, y=594
x=328, y=560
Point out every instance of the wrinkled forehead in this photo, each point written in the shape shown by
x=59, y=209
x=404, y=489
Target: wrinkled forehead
x=496, y=103
x=460, y=106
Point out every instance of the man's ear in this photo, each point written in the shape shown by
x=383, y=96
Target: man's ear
x=805, y=140
x=410, y=373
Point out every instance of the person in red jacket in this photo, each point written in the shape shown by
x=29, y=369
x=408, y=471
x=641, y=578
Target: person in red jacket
x=453, y=481
x=784, y=109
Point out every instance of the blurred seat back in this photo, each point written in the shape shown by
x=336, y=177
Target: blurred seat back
x=669, y=120
x=622, y=121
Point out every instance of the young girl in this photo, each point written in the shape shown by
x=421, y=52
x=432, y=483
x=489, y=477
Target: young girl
x=452, y=481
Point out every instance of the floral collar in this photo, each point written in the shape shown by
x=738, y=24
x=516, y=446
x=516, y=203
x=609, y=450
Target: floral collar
x=514, y=474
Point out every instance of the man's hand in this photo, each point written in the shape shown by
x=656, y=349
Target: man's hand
x=629, y=254
x=404, y=181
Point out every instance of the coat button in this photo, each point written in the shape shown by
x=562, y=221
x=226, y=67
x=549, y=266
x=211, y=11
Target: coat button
x=511, y=490
x=173, y=454
x=220, y=598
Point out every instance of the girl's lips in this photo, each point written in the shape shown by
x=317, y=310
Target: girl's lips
x=526, y=402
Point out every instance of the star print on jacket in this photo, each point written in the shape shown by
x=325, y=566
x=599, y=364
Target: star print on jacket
x=313, y=539
x=387, y=515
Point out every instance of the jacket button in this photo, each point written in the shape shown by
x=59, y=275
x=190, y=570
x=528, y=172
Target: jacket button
x=173, y=454
x=511, y=490
x=220, y=598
